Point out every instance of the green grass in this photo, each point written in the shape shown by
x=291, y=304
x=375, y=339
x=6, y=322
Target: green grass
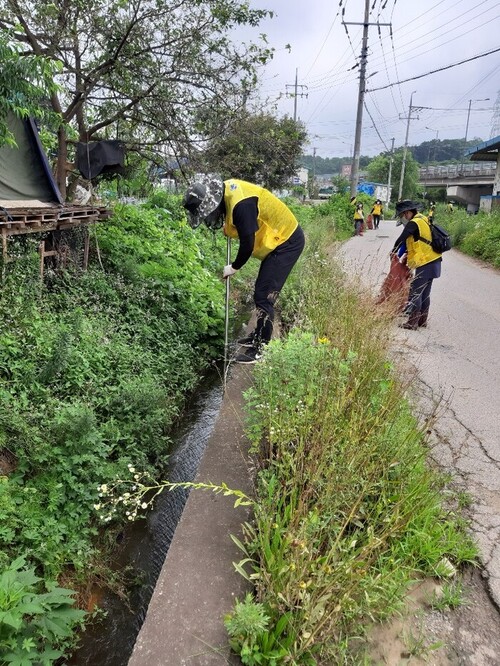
x=348, y=512
x=475, y=235
x=451, y=596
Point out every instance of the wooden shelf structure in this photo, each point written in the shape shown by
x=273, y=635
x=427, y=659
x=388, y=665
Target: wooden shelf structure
x=16, y=219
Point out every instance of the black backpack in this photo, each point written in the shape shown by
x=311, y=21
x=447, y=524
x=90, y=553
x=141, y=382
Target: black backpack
x=441, y=241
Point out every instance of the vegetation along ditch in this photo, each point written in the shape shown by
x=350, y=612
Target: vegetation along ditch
x=95, y=369
x=109, y=640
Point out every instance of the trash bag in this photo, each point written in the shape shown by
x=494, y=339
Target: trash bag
x=369, y=221
x=396, y=285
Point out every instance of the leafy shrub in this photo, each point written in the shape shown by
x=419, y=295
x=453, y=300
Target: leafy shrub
x=484, y=240
x=35, y=626
x=94, y=369
x=251, y=637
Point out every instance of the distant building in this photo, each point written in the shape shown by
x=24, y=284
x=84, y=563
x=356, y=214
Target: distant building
x=377, y=190
x=301, y=177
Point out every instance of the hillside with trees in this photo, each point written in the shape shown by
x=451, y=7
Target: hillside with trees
x=436, y=151
x=329, y=165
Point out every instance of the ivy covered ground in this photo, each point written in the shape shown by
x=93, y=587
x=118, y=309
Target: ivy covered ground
x=94, y=369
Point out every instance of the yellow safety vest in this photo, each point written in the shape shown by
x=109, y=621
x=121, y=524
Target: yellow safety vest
x=377, y=209
x=276, y=222
x=420, y=252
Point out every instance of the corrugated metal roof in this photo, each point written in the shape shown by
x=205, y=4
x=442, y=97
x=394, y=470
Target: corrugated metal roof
x=486, y=150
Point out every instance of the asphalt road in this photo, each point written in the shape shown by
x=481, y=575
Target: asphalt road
x=457, y=361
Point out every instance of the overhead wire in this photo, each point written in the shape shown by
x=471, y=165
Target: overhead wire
x=451, y=40
x=329, y=87
x=325, y=40
x=465, y=96
x=335, y=78
x=387, y=69
x=375, y=126
x=334, y=71
x=440, y=69
x=418, y=53
x=331, y=77
x=394, y=54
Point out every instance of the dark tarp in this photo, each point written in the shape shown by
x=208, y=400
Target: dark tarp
x=25, y=172
x=99, y=157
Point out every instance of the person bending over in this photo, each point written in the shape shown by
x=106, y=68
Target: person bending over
x=265, y=228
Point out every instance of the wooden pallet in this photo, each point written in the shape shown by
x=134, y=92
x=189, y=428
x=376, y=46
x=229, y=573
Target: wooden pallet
x=15, y=221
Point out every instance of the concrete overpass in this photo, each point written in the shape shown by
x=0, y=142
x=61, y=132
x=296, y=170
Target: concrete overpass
x=475, y=183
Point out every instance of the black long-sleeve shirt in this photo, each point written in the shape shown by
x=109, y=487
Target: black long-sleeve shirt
x=245, y=215
x=409, y=229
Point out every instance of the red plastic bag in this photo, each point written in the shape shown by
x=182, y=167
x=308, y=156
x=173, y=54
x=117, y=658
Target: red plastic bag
x=396, y=285
x=369, y=221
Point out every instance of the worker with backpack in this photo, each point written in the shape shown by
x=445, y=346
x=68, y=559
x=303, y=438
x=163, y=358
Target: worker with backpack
x=422, y=256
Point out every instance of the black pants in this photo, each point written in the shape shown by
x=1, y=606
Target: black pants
x=419, y=298
x=273, y=273
x=376, y=221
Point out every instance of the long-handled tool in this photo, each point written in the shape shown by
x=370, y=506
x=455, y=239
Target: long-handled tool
x=226, y=329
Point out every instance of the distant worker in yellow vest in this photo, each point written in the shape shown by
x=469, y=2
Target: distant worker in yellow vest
x=376, y=213
x=450, y=207
x=359, y=219
x=421, y=258
x=430, y=214
x=265, y=228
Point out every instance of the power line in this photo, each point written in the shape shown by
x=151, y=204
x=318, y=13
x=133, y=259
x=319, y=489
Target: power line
x=375, y=127
x=413, y=49
x=329, y=78
x=324, y=41
x=435, y=71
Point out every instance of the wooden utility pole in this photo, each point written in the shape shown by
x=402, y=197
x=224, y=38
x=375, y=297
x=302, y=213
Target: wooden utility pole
x=296, y=93
x=361, y=96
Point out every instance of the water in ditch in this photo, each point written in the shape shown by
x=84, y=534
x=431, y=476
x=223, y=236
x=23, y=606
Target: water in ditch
x=110, y=641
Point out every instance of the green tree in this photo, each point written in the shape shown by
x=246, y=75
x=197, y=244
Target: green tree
x=24, y=83
x=378, y=171
x=144, y=71
x=444, y=150
x=341, y=183
x=259, y=148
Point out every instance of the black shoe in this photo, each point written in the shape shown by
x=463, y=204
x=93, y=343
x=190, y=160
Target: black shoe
x=250, y=355
x=247, y=341
x=409, y=326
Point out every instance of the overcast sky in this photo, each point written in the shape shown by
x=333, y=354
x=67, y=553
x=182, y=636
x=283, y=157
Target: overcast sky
x=426, y=35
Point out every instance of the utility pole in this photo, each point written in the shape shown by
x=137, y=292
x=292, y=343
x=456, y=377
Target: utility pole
x=485, y=99
x=391, y=159
x=403, y=165
x=296, y=93
x=361, y=95
x=313, y=187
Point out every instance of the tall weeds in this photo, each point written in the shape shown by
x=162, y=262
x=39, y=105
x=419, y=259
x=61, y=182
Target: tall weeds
x=348, y=513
